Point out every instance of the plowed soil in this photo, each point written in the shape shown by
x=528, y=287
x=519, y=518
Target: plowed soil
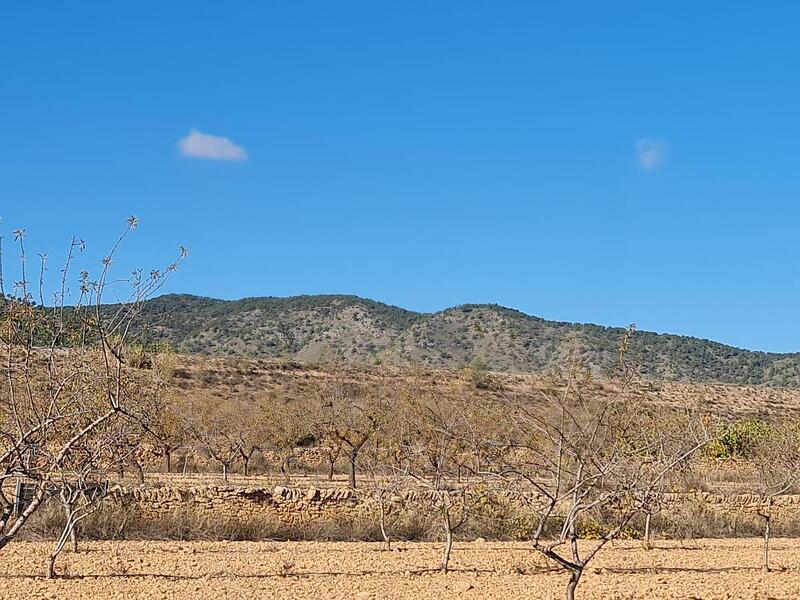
x=697, y=569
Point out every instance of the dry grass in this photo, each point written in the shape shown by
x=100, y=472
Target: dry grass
x=262, y=379
x=113, y=521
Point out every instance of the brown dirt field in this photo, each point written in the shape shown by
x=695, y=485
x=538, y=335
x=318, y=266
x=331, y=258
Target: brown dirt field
x=696, y=569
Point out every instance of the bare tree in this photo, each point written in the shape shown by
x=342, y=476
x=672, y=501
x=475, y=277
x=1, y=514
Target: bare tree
x=317, y=427
x=79, y=500
x=351, y=414
x=82, y=483
x=64, y=370
x=164, y=417
x=216, y=427
x=437, y=432
x=332, y=447
x=587, y=455
x=124, y=446
x=378, y=462
x=283, y=424
x=247, y=449
x=246, y=429
x=776, y=468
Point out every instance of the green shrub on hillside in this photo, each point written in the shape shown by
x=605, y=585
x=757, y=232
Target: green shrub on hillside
x=738, y=439
x=477, y=372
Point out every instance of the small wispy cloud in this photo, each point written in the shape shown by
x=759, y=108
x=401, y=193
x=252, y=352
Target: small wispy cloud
x=651, y=154
x=211, y=147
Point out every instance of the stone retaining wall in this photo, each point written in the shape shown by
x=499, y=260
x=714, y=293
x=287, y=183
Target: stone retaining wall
x=290, y=505
x=302, y=505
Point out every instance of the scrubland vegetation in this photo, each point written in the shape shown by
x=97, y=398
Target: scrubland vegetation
x=347, y=330
x=87, y=401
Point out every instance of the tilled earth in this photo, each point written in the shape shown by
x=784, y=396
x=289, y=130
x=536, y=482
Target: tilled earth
x=320, y=570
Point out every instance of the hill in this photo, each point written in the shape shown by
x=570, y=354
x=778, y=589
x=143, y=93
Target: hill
x=254, y=380
x=357, y=331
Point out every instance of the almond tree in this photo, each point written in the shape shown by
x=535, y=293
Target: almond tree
x=282, y=424
x=332, y=447
x=164, y=420
x=352, y=414
x=316, y=427
x=216, y=427
x=386, y=476
x=248, y=447
x=82, y=482
x=776, y=469
x=124, y=446
x=64, y=373
x=590, y=456
x=436, y=432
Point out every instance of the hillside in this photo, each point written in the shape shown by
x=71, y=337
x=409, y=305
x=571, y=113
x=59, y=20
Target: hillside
x=357, y=331
x=257, y=380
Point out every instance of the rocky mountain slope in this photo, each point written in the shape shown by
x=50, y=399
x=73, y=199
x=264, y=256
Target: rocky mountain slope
x=353, y=330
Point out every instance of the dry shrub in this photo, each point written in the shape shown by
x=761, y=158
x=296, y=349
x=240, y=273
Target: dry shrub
x=117, y=522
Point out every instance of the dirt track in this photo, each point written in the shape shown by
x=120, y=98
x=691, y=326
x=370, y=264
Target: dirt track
x=701, y=569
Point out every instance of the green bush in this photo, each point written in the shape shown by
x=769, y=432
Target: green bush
x=738, y=439
x=478, y=373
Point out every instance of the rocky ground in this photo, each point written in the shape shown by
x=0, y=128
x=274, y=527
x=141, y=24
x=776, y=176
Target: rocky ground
x=697, y=569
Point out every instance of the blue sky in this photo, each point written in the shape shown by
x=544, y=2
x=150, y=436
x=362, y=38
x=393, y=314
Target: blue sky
x=616, y=163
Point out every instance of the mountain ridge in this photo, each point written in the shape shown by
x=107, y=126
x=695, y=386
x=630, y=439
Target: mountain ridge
x=354, y=330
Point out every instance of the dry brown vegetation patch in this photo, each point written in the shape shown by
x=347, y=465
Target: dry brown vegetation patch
x=261, y=378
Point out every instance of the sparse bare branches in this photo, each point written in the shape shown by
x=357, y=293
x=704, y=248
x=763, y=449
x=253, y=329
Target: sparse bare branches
x=435, y=435
x=351, y=415
x=775, y=458
x=215, y=428
x=66, y=381
x=281, y=425
x=583, y=455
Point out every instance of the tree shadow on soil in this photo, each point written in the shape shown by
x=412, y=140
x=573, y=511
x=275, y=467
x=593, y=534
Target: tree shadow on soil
x=231, y=575
x=664, y=570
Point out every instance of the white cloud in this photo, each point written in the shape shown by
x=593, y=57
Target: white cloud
x=651, y=154
x=212, y=147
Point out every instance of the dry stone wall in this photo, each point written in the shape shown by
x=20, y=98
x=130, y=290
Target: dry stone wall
x=303, y=505
x=290, y=505
x=787, y=505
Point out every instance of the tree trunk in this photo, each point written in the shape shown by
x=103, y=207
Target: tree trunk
x=646, y=542
x=352, y=460
x=140, y=470
x=246, y=465
x=168, y=460
x=383, y=523
x=331, y=464
x=60, y=543
x=448, y=541
x=767, y=516
x=574, y=579
x=51, y=566
x=5, y=515
x=285, y=469
x=225, y=472
x=73, y=536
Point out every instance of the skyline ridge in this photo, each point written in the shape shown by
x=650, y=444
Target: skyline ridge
x=478, y=304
